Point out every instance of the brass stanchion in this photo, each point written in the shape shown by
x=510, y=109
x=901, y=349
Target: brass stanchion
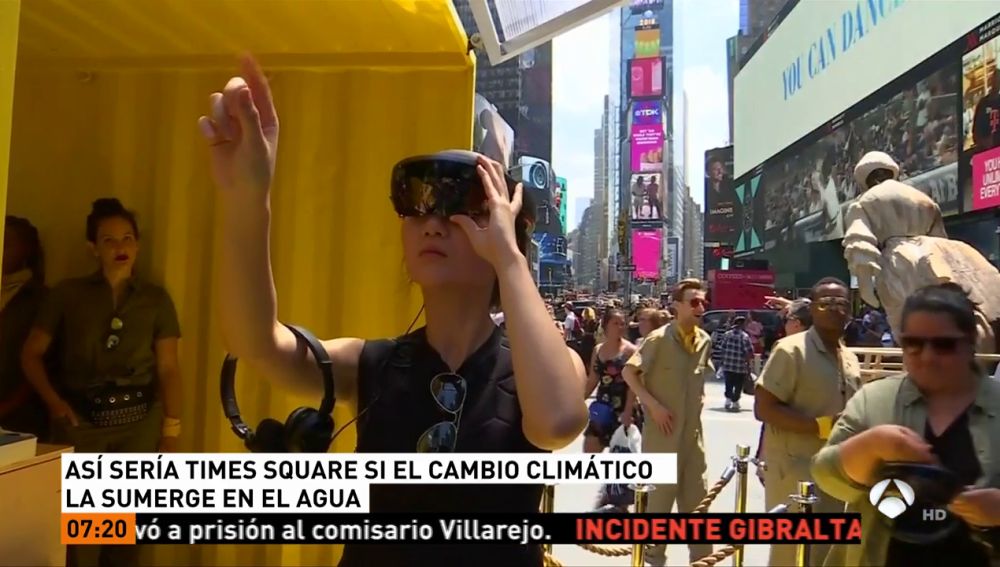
x=641, y=502
x=741, y=461
x=548, y=507
x=805, y=498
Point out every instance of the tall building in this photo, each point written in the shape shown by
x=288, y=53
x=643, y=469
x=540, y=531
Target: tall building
x=694, y=253
x=611, y=123
x=647, y=176
x=521, y=89
x=757, y=18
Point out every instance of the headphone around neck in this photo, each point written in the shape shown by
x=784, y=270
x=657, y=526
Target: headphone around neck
x=306, y=430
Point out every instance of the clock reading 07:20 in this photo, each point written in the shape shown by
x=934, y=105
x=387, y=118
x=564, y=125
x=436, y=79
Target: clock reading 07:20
x=98, y=528
x=87, y=528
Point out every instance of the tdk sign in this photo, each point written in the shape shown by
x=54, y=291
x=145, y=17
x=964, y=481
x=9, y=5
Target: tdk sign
x=646, y=113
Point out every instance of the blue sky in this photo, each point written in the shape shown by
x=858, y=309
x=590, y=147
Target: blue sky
x=581, y=67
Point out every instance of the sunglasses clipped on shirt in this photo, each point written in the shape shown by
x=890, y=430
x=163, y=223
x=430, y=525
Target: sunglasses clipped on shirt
x=448, y=390
x=113, y=339
x=940, y=345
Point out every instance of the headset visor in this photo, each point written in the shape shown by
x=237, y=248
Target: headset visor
x=435, y=185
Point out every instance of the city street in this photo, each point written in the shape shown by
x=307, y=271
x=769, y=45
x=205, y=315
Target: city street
x=723, y=432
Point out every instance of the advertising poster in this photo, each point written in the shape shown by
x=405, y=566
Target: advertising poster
x=647, y=148
x=647, y=41
x=751, y=214
x=981, y=121
x=742, y=289
x=646, y=192
x=492, y=135
x=560, y=197
x=646, y=78
x=721, y=202
x=647, y=246
x=986, y=179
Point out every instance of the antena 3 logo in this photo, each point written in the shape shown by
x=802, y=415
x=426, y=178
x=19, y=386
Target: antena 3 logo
x=891, y=505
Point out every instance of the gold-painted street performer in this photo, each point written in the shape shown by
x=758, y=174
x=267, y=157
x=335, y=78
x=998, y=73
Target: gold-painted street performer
x=895, y=244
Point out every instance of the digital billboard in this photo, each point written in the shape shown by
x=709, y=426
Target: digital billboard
x=640, y=6
x=561, y=197
x=751, y=219
x=981, y=117
x=647, y=249
x=808, y=188
x=821, y=60
x=647, y=148
x=647, y=41
x=721, y=203
x=646, y=192
x=646, y=78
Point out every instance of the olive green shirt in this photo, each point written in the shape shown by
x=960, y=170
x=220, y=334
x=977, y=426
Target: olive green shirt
x=896, y=400
x=78, y=314
x=674, y=376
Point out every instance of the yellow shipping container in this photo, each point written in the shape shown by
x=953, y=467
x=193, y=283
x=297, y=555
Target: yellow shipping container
x=103, y=101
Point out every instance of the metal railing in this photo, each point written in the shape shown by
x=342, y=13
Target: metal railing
x=738, y=468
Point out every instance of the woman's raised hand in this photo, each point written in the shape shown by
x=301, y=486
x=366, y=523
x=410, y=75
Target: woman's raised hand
x=242, y=130
x=496, y=242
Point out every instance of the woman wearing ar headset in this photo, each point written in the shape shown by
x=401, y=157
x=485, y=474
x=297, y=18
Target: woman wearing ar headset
x=443, y=387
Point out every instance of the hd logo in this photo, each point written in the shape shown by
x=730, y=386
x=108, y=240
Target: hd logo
x=891, y=505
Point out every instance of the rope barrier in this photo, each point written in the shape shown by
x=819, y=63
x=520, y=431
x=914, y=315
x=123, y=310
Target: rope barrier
x=715, y=557
x=713, y=492
x=805, y=497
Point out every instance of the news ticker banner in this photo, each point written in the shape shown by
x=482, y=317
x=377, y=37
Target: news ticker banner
x=317, y=483
x=595, y=528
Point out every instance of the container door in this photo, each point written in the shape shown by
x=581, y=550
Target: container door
x=508, y=28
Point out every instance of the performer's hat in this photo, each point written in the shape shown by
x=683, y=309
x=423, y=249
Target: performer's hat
x=872, y=161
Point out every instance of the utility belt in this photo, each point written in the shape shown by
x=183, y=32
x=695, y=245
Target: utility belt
x=113, y=402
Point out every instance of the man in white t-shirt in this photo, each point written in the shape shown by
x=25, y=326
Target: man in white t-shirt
x=569, y=324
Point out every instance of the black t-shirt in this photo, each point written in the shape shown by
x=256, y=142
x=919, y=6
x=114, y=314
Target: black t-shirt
x=986, y=121
x=394, y=385
x=956, y=452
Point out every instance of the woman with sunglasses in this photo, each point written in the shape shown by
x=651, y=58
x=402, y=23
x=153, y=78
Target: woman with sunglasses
x=115, y=337
x=942, y=411
x=456, y=384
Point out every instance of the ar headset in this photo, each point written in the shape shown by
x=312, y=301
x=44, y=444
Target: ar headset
x=306, y=430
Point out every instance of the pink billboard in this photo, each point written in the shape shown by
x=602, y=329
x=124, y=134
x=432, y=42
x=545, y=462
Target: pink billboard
x=647, y=148
x=986, y=179
x=646, y=78
x=647, y=249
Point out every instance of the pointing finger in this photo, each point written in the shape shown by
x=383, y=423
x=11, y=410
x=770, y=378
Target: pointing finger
x=260, y=90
